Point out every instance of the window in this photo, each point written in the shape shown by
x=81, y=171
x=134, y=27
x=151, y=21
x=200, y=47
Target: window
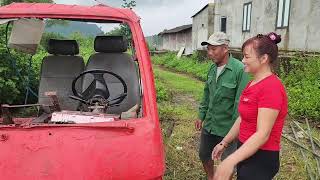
x=283, y=13
x=223, y=25
x=246, y=17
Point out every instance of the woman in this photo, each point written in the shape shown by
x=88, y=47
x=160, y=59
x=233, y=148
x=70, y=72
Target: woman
x=263, y=108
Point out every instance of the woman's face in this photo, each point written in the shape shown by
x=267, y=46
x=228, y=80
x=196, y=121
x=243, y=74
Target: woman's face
x=252, y=62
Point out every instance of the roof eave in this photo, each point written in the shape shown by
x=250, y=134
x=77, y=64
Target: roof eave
x=202, y=9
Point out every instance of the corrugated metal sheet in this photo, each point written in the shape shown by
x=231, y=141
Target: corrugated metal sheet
x=177, y=29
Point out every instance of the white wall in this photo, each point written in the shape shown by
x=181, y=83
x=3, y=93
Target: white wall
x=200, y=28
x=303, y=33
x=175, y=41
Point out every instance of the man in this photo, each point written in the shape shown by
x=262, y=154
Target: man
x=219, y=106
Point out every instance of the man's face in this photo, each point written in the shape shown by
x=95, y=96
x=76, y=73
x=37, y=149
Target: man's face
x=217, y=53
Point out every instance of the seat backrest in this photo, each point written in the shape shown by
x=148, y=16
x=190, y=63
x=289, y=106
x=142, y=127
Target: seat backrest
x=110, y=55
x=58, y=71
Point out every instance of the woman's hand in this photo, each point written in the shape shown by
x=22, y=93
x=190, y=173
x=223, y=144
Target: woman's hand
x=224, y=170
x=218, y=150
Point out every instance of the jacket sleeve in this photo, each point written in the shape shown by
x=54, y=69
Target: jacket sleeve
x=204, y=103
x=205, y=99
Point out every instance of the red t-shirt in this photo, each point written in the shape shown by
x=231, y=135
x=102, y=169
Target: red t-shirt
x=268, y=93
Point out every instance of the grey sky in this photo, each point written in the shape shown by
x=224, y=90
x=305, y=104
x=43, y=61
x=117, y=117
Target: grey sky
x=156, y=15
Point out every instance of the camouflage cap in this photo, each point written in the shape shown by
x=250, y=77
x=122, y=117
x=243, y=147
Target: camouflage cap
x=217, y=39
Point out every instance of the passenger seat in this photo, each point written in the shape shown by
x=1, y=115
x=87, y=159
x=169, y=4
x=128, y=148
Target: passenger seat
x=58, y=70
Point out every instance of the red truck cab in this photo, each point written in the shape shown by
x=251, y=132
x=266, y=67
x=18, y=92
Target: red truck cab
x=114, y=133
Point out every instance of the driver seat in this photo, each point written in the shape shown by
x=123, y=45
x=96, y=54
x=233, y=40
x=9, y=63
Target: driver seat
x=110, y=55
x=58, y=71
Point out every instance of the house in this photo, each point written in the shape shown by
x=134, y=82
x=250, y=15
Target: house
x=297, y=21
x=176, y=38
x=202, y=25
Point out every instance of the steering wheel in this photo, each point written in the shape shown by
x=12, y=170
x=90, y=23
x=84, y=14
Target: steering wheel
x=98, y=89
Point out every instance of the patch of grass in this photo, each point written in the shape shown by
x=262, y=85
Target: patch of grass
x=182, y=160
x=292, y=165
x=292, y=159
x=191, y=65
x=177, y=123
x=162, y=91
x=180, y=84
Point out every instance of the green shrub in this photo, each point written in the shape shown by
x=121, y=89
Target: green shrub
x=86, y=45
x=163, y=93
x=14, y=72
x=303, y=88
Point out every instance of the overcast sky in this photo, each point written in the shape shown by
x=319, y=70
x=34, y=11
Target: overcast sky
x=156, y=15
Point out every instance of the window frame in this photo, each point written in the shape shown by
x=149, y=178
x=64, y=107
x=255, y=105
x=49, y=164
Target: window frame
x=282, y=26
x=223, y=17
x=246, y=24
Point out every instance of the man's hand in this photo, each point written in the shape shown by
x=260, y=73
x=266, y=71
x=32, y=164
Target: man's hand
x=198, y=124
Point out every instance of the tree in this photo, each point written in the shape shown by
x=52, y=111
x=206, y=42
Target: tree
x=117, y=31
x=124, y=29
x=130, y=4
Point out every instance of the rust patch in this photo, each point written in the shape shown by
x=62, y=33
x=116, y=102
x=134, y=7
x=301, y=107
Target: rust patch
x=4, y=137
